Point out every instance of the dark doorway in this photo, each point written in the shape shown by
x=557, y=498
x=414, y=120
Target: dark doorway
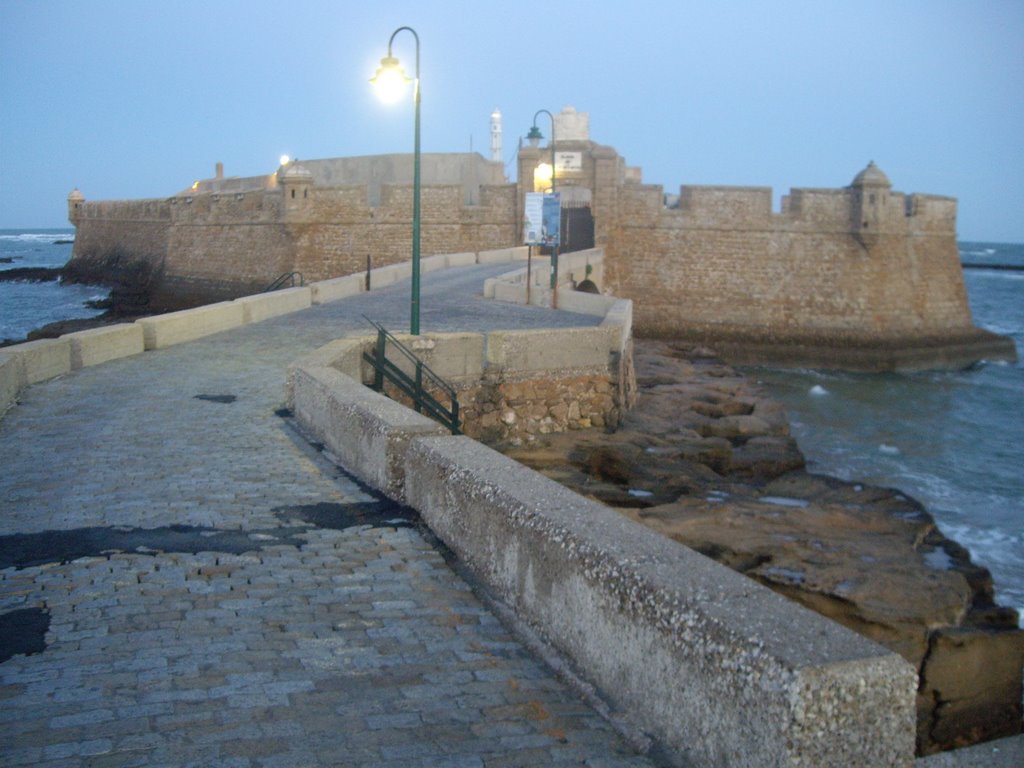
x=577, y=227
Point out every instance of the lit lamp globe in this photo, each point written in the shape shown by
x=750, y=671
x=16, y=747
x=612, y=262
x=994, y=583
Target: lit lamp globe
x=542, y=177
x=390, y=80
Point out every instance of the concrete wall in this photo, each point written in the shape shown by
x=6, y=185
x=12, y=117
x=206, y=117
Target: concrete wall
x=33, y=362
x=717, y=669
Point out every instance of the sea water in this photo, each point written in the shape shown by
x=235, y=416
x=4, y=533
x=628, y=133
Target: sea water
x=25, y=305
x=952, y=440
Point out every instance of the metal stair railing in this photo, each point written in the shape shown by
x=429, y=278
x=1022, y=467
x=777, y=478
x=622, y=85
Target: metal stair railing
x=413, y=386
x=286, y=277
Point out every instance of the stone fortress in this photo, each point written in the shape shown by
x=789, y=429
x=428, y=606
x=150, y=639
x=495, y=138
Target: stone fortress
x=860, y=277
x=882, y=286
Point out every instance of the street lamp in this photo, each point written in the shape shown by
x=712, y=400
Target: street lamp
x=534, y=137
x=390, y=81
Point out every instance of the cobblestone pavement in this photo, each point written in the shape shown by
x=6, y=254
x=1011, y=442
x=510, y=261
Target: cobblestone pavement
x=185, y=582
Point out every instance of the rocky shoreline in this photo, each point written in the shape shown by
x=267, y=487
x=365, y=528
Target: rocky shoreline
x=706, y=458
x=116, y=310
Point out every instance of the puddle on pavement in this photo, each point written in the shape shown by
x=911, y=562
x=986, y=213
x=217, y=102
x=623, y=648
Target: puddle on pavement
x=217, y=398
x=23, y=631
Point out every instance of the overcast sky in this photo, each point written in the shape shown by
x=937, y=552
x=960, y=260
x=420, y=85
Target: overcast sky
x=138, y=98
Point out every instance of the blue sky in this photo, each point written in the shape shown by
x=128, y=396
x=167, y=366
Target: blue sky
x=138, y=98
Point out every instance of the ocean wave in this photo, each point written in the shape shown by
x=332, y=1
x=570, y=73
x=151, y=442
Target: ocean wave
x=38, y=237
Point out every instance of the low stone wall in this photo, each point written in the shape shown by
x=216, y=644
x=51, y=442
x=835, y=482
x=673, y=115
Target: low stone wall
x=573, y=268
x=511, y=385
x=98, y=345
x=36, y=361
x=717, y=669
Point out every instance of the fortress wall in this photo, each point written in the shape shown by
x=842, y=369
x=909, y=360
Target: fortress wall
x=127, y=227
x=732, y=207
x=724, y=264
x=213, y=246
x=222, y=246
x=213, y=262
x=339, y=230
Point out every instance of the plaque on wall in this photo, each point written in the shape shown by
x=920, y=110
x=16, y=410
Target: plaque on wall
x=568, y=161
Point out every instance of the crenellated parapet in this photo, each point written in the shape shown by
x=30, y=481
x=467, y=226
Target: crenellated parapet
x=225, y=237
x=832, y=269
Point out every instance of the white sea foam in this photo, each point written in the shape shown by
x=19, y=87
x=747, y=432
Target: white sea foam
x=37, y=237
x=938, y=560
x=641, y=494
x=818, y=391
x=891, y=450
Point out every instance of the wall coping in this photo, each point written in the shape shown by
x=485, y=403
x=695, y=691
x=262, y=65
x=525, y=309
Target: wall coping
x=700, y=658
x=32, y=362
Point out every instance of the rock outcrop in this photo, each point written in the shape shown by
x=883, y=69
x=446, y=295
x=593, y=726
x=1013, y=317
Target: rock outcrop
x=706, y=458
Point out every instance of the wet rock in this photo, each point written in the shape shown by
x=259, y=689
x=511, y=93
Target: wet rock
x=706, y=459
x=971, y=688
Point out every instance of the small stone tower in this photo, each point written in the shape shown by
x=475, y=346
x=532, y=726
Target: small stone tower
x=75, y=200
x=295, y=182
x=871, y=189
x=496, y=137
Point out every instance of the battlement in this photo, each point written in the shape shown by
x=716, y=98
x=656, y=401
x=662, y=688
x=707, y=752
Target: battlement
x=860, y=262
x=831, y=210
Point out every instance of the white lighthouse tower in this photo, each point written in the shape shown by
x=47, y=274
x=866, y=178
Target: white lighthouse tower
x=496, y=136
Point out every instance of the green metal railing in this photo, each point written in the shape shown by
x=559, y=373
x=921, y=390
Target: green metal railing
x=412, y=385
x=287, y=277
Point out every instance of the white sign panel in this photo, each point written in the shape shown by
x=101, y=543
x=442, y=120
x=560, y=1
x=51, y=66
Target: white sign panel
x=533, y=211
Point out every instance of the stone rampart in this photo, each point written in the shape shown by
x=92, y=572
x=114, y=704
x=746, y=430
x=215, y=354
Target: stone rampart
x=859, y=277
x=806, y=286
x=205, y=246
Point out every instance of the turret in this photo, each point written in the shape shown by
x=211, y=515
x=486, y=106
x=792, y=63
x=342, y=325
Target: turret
x=295, y=181
x=871, y=188
x=75, y=200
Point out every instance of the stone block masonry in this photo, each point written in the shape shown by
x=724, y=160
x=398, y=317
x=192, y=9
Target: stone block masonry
x=506, y=393
x=859, y=277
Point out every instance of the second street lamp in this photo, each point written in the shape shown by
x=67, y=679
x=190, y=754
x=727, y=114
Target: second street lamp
x=534, y=137
x=390, y=80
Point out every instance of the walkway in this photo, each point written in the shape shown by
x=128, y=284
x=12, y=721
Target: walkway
x=197, y=586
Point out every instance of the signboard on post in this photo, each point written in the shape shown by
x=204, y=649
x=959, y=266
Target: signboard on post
x=543, y=214
x=552, y=207
x=533, y=212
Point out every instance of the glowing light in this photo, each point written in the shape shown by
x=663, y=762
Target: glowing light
x=542, y=178
x=390, y=80
x=195, y=185
x=285, y=159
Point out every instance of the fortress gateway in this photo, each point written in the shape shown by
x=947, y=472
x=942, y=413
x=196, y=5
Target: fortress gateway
x=859, y=277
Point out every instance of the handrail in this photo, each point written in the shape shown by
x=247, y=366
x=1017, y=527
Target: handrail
x=423, y=401
x=283, y=279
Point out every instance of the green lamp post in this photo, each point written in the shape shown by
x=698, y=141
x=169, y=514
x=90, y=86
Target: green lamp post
x=390, y=81
x=534, y=137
